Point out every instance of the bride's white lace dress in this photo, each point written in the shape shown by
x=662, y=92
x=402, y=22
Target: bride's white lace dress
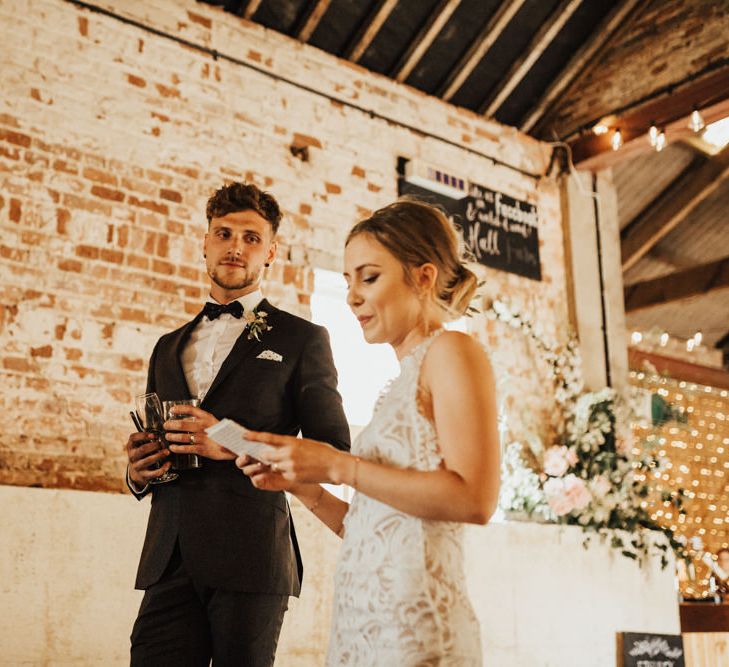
x=400, y=592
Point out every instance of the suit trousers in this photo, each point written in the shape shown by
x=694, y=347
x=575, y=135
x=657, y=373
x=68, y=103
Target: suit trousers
x=184, y=624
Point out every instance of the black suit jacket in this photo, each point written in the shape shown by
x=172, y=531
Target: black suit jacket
x=232, y=535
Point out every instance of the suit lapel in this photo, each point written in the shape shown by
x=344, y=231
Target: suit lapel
x=243, y=347
x=174, y=360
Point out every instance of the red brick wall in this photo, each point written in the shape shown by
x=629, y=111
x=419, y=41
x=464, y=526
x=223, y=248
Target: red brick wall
x=112, y=138
x=666, y=41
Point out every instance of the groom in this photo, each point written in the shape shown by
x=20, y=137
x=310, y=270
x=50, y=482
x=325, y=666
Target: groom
x=220, y=558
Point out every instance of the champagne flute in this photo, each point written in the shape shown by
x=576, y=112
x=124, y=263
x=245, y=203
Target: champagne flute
x=149, y=411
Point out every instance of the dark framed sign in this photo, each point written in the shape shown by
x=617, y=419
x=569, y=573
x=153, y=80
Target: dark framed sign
x=499, y=231
x=646, y=649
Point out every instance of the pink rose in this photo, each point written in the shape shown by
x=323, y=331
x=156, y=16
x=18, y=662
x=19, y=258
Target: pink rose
x=554, y=491
x=576, y=490
x=566, y=494
x=555, y=461
x=572, y=456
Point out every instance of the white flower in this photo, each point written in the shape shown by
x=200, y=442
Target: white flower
x=600, y=486
x=555, y=461
x=520, y=488
x=499, y=307
x=587, y=487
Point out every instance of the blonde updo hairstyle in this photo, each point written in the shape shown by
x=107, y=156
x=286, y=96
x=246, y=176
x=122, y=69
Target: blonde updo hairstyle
x=417, y=233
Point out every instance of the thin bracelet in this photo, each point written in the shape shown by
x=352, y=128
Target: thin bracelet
x=357, y=459
x=318, y=499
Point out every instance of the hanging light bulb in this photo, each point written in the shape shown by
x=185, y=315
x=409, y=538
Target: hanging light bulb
x=636, y=337
x=664, y=339
x=617, y=140
x=653, y=134
x=696, y=122
x=600, y=128
x=690, y=344
x=698, y=337
x=660, y=141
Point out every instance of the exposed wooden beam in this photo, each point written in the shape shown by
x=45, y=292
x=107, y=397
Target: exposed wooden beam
x=723, y=342
x=438, y=18
x=723, y=345
x=483, y=42
x=539, y=43
x=369, y=30
x=696, y=281
x=670, y=110
x=678, y=369
x=250, y=8
x=578, y=65
x=696, y=183
x=312, y=19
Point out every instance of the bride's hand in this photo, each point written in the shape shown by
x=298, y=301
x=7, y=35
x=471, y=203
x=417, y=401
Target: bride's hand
x=292, y=461
x=261, y=476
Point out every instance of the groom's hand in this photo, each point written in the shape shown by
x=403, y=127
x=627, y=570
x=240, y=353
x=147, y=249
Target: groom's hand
x=193, y=439
x=144, y=452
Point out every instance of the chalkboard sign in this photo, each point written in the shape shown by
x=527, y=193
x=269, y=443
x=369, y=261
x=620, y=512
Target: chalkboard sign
x=642, y=649
x=499, y=231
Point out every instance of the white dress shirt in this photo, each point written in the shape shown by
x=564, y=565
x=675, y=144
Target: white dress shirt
x=210, y=343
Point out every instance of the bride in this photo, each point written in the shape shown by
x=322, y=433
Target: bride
x=426, y=463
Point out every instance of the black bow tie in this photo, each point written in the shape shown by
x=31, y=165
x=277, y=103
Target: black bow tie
x=214, y=310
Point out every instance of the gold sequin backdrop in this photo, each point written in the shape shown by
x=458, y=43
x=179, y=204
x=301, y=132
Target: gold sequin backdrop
x=696, y=459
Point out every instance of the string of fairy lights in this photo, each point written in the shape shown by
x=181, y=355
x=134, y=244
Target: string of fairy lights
x=656, y=135
x=662, y=338
x=695, y=457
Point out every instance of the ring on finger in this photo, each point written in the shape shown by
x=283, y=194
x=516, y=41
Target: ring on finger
x=192, y=438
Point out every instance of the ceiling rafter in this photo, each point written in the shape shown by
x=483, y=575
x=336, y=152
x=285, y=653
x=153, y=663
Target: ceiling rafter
x=696, y=281
x=250, y=8
x=311, y=19
x=369, y=29
x=533, y=52
x=479, y=47
x=699, y=180
x=723, y=344
x=580, y=63
x=438, y=18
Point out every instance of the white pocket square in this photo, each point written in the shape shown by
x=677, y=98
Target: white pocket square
x=270, y=355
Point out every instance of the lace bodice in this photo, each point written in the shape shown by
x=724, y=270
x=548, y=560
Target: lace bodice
x=400, y=595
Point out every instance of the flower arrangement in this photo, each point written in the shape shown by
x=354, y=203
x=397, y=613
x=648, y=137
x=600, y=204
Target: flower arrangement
x=591, y=474
x=257, y=323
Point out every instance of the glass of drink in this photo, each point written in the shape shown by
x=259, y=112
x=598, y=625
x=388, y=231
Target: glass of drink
x=182, y=461
x=151, y=417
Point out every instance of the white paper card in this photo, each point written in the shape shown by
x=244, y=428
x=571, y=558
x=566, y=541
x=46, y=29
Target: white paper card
x=232, y=436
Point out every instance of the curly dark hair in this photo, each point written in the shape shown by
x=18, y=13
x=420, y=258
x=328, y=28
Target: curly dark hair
x=236, y=197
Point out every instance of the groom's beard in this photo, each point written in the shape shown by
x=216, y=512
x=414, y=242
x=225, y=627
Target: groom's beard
x=237, y=282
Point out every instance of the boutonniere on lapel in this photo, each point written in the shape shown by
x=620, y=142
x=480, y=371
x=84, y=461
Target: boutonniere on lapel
x=256, y=323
